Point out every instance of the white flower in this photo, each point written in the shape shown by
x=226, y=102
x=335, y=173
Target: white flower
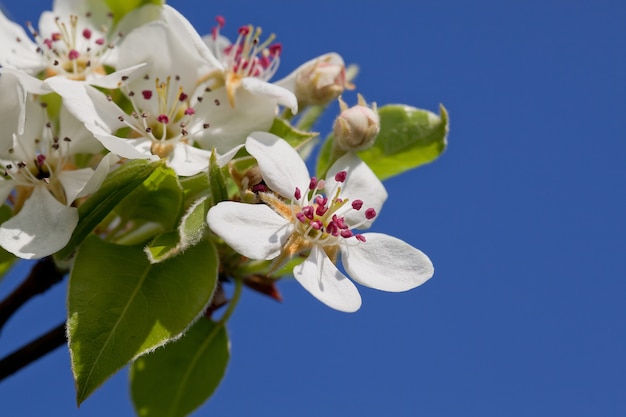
x=247, y=64
x=74, y=40
x=41, y=180
x=172, y=111
x=304, y=214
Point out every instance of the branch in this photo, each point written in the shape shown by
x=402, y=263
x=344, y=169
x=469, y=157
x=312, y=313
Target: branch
x=31, y=352
x=41, y=277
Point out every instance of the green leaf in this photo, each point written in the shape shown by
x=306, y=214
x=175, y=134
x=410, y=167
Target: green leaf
x=120, y=8
x=117, y=186
x=192, y=229
x=295, y=137
x=409, y=137
x=177, y=379
x=216, y=179
x=121, y=306
x=158, y=199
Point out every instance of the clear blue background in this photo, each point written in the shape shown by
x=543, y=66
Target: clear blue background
x=523, y=217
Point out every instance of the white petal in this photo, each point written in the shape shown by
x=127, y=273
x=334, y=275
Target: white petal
x=99, y=175
x=186, y=160
x=126, y=148
x=41, y=228
x=386, y=263
x=74, y=181
x=114, y=79
x=87, y=104
x=254, y=230
x=319, y=276
x=185, y=30
x=283, y=96
x=18, y=54
x=282, y=167
x=229, y=127
x=6, y=186
x=361, y=183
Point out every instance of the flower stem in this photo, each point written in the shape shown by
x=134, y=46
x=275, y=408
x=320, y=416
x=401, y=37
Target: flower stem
x=233, y=303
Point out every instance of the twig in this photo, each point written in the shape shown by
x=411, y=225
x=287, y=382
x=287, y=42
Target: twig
x=43, y=276
x=32, y=351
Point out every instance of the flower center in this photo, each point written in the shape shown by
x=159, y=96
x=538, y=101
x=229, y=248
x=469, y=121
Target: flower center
x=321, y=218
x=162, y=114
x=247, y=57
x=76, y=50
x=43, y=161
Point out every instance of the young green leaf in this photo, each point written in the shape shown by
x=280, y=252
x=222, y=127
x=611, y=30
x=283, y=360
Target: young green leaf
x=191, y=230
x=121, y=306
x=176, y=379
x=117, y=186
x=408, y=138
x=120, y=8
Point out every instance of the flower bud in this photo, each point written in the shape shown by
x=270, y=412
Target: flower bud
x=356, y=127
x=320, y=81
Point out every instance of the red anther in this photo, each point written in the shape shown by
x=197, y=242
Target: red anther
x=346, y=233
x=360, y=237
x=275, y=49
x=312, y=183
x=189, y=111
x=56, y=36
x=86, y=33
x=321, y=201
x=341, y=176
x=316, y=224
x=320, y=210
x=40, y=159
x=370, y=213
x=300, y=216
x=340, y=222
x=357, y=204
x=48, y=43
x=220, y=21
x=244, y=30
x=182, y=97
x=73, y=54
x=162, y=118
x=332, y=229
x=100, y=41
x=297, y=194
x=259, y=188
x=147, y=94
x=308, y=212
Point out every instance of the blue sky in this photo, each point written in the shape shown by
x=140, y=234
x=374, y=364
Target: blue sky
x=523, y=217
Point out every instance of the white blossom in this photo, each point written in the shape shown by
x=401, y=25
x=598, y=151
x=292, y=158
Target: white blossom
x=303, y=215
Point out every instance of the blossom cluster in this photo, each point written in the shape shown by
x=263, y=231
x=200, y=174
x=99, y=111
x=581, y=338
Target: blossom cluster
x=84, y=93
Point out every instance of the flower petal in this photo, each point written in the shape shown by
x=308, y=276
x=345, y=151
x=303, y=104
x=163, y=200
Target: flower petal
x=186, y=160
x=386, y=263
x=282, y=168
x=229, y=127
x=16, y=48
x=254, y=230
x=361, y=183
x=283, y=96
x=41, y=228
x=319, y=276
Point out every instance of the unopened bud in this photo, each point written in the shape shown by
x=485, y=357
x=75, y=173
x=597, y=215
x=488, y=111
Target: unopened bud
x=356, y=127
x=320, y=81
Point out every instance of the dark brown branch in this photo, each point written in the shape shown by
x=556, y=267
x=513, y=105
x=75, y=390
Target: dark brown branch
x=41, y=277
x=31, y=352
